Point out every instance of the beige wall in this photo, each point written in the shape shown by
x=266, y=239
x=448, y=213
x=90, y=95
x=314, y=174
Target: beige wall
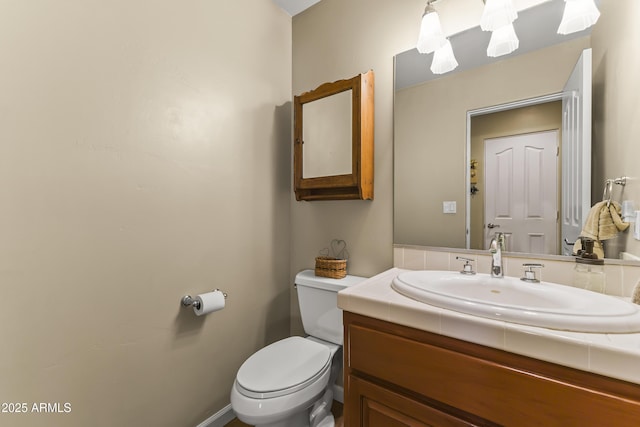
x=333, y=40
x=430, y=135
x=616, y=120
x=534, y=118
x=145, y=155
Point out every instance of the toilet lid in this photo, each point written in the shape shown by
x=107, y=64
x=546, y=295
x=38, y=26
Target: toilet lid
x=287, y=364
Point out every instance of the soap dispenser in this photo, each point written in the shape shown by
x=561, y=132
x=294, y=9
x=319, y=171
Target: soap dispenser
x=589, y=269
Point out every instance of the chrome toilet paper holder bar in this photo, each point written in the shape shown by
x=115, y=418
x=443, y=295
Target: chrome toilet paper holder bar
x=188, y=301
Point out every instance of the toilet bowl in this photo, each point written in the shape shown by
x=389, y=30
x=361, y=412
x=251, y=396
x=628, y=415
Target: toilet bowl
x=281, y=380
x=290, y=383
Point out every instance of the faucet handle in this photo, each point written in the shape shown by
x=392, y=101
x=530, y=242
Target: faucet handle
x=529, y=274
x=467, y=268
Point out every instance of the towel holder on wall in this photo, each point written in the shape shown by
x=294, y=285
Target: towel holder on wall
x=608, y=188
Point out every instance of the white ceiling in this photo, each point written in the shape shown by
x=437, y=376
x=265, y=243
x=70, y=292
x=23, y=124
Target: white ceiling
x=293, y=7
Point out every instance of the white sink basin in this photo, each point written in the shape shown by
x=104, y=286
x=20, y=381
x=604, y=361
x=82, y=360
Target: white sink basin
x=544, y=304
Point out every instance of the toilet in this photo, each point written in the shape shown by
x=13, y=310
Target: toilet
x=290, y=383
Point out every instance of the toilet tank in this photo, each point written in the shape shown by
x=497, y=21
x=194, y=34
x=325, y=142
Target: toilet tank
x=318, y=301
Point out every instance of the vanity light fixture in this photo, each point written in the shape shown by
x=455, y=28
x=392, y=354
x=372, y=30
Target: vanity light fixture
x=497, y=14
x=503, y=41
x=443, y=59
x=498, y=17
x=578, y=15
x=431, y=36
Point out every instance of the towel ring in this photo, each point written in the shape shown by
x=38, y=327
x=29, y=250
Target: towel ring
x=608, y=188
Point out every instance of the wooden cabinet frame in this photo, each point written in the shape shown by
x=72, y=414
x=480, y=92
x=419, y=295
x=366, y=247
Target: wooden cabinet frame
x=400, y=376
x=359, y=183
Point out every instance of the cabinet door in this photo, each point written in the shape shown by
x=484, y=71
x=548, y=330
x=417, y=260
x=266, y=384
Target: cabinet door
x=380, y=407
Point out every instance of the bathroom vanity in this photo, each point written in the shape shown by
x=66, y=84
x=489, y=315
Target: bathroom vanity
x=411, y=364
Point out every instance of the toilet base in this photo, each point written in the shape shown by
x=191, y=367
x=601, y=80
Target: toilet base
x=301, y=420
x=329, y=421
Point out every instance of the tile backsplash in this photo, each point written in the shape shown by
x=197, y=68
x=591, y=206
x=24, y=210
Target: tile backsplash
x=621, y=276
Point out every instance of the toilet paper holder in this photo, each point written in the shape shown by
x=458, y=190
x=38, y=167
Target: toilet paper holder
x=188, y=301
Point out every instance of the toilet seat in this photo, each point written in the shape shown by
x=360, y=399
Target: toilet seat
x=283, y=367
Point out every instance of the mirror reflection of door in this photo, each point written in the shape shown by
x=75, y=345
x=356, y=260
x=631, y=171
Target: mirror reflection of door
x=539, y=117
x=576, y=151
x=521, y=189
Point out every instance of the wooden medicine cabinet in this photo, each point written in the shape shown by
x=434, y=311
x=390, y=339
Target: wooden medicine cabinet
x=333, y=141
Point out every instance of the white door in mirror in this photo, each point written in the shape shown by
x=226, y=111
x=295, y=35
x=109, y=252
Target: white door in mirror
x=521, y=191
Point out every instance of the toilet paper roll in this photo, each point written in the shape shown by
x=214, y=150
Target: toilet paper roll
x=209, y=302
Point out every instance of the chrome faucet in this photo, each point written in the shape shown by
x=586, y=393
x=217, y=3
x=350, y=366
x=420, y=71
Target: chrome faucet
x=495, y=247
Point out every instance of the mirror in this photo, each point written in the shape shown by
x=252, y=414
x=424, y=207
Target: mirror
x=431, y=157
x=333, y=140
x=327, y=136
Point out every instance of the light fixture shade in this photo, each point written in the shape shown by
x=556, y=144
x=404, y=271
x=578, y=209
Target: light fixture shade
x=443, y=59
x=578, y=15
x=503, y=41
x=431, y=36
x=496, y=14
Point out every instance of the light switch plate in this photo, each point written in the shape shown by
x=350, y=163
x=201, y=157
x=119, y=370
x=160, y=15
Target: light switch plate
x=449, y=207
x=636, y=226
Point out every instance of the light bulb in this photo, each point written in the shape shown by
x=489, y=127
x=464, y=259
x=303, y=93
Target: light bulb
x=496, y=14
x=578, y=15
x=503, y=41
x=431, y=36
x=443, y=59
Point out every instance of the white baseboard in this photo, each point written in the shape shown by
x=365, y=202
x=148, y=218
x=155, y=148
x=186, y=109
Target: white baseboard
x=219, y=419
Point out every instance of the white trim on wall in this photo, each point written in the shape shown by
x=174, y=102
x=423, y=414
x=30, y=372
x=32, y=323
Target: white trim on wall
x=219, y=419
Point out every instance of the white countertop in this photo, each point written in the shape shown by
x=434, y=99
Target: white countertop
x=613, y=355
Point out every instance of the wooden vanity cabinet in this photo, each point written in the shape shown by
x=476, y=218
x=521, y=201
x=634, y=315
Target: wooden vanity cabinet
x=400, y=376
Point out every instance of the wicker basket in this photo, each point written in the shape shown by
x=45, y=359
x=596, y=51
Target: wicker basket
x=331, y=267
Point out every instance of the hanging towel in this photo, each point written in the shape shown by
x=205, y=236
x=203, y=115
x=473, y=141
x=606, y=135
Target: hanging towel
x=603, y=223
